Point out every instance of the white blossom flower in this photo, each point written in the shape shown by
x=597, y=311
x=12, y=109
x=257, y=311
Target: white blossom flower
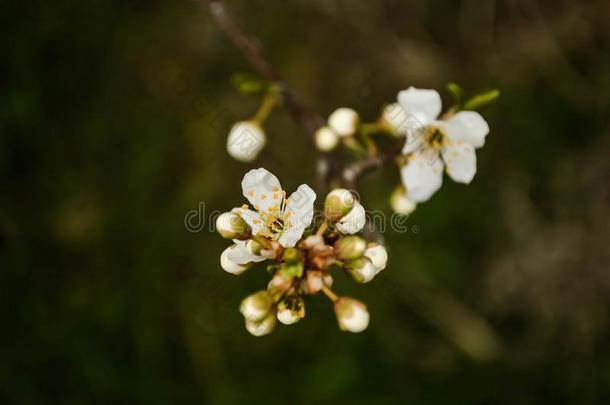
x=275, y=216
x=352, y=315
x=353, y=221
x=454, y=139
x=245, y=141
x=326, y=139
x=344, y=121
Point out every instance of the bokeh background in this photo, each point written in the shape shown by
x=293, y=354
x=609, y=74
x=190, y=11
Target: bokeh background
x=114, y=116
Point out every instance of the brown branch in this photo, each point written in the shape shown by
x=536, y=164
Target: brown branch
x=311, y=121
x=252, y=50
x=354, y=171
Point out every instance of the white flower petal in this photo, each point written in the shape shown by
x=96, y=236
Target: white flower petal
x=252, y=218
x=422, y=176
x=467, y=126
x=378, y=255
x=262, y=189
x=461, y=161
x=299, y=206
x=412, y=143
x=353, y=221
x=240, y=254
x=424, y=104
x=229, y=265
x=298, y=215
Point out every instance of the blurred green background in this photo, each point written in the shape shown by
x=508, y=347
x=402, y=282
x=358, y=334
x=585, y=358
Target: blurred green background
x=114, y=116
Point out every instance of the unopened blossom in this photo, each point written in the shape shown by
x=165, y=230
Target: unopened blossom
x=396, y=119
x=352, y=315
x=244, y=252
x=326, y=139
x=245, y=141
x=274, y=216
x=353, y=221
x=337, y=204
x=257, y=306
x=261, y=327
x=378, y=255
x=438, y=144
x=344, y=121
x=362, y=270
x=231, y=226
x=350, y=247
x=229, y=265
x=401, y=203
x=291, y=309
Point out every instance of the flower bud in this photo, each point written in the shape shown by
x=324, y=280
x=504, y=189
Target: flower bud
x=396, y=119
x=254, y=247
x=230, y=266
x=279, y=284
x=315, y=280
x=246, y=140
x=352, y=315
x=338, y=203
x=326, y=139
x=292, y=255
x=354, y=221
x=343, y=121
x=400, y=202
x=255, y=307
x=291, y=309
x=312, y=241
x=362, y=270
x=350, y=247
x=262, y=327
x=378, y=255
x=231, y=226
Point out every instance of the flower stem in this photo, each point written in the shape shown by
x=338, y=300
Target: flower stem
x=329, y=293
x=322, y=229
x=266, y=107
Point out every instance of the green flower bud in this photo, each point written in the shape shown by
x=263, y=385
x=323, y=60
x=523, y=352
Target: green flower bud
x=350, y=247
x=292, y=255
x=255, y=307
x=291, y=309
x=337, y=204
x=352, y=315
x=231, y=226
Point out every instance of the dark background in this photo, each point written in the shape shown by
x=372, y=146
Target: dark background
x=113, y=120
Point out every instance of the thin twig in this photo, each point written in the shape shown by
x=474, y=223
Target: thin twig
x=311, y=121
x=252, y=50
x=354, y=171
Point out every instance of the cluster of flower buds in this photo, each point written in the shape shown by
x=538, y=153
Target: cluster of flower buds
x=342, y=124
x=300, y=265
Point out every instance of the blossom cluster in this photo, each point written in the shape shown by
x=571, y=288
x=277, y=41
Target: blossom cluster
x=278, y=229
